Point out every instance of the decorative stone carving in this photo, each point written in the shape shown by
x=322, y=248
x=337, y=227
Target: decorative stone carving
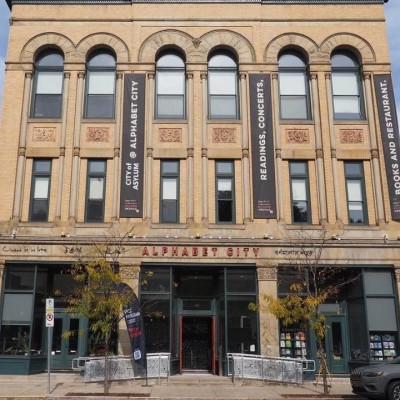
x=98, y=134
x=267, y=274
x=44, y=135
x=128, y=272
x=397, y=273
x=224, y=135
x=196, y=42
x=170, y=135
x=297, y=136
x=76, y=152
x=351, y=136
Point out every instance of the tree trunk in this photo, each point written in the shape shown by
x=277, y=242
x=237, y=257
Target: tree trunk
x=106, y=366
x=324, y=369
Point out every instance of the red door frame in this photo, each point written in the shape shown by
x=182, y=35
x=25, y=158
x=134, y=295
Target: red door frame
x=180, y=342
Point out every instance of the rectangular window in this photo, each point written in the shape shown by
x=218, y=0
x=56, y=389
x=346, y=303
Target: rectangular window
x=48, y=94
x=299, y=185
x=95, y=191
x=222, y=91
x=100, y=94
x=40, y=190
x=293, y=95
x=355, y=188
x=225, y=185
x=346, y=95
x=169, y=202
x=170, y=94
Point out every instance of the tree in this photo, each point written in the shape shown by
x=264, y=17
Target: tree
x=315, y=282
x=96, y=296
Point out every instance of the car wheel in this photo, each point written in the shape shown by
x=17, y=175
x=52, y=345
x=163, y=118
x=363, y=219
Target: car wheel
x=394, y=390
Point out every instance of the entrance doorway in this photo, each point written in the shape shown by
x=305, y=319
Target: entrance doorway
x=197, y=344
x=67, y=342
x=336, y=345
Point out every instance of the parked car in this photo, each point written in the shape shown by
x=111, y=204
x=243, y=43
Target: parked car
x=377, y=381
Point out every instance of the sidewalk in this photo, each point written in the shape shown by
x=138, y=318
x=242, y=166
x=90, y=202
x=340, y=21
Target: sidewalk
x=71, y=386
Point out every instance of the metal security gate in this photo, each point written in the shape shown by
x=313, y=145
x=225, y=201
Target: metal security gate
x=277, y=369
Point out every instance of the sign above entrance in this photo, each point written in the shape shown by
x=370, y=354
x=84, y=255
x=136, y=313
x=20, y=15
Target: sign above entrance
x=199, y=251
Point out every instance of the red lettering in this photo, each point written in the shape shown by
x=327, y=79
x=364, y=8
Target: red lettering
x=246, y=251
x=145, y=251
x=164, y=250
x=256, y=251
x=214, y=251
x=174, y=251
x=229, y=251
x=155, y=253
x=205, y=251
x=185, y=252
x=195, y=251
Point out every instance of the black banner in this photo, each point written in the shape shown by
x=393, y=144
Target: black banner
x=262, y=147
x=132, y=151
x=390, y=138
x=135, y=326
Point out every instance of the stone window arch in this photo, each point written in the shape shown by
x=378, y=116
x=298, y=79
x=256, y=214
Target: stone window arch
x=351, y=42
x=102, y=40
x=291, y=41
x=46, y=41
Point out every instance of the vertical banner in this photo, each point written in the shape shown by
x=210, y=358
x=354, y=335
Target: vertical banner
x=135, y=326
x=132, y=151
x=262, y=147
x=390, y=139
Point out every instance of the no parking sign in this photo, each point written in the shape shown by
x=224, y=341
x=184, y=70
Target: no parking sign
x=49, y=312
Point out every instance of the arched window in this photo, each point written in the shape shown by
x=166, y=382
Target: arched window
x=222, y=87
x=170, y=86
x=293, y=87
x=48, y=85
x=100, y=85
x=346, y=86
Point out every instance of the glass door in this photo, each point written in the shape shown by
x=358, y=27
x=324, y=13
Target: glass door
x=67, y=342
x=336, y=345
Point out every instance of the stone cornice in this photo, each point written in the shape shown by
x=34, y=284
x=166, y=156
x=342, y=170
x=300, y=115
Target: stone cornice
x=320, y=2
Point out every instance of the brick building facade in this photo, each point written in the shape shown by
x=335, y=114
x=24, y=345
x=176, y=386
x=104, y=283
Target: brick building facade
x=221, y=141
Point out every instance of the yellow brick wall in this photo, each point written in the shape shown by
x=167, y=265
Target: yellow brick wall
x=261, y=28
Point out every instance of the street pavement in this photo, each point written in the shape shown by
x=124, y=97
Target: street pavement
x=71, y=386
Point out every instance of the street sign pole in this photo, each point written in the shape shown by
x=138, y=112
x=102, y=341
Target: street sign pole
x=49, y=316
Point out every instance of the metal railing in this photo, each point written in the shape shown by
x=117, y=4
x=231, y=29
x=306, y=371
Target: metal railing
x=276, y=369
x=122, y=367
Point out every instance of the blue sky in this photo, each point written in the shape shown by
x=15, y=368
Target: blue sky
x=392, y=10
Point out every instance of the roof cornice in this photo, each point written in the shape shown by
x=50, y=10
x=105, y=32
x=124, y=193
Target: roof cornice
x=325, y=2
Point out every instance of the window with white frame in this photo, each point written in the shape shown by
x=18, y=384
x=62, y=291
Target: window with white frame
x=100, y=85
x=40, y=191
x=170, y=86
x=95, y=190
x=293, y=87
x=222, y=87
x=169, y=202
x=225, y=191
x=346, y=87
x=48, y=85
x=355, y=189
x=300, y=193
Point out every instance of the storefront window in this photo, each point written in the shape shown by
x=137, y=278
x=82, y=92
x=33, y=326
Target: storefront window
x=20, y=278
x=242, y=329
x=156, y=316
